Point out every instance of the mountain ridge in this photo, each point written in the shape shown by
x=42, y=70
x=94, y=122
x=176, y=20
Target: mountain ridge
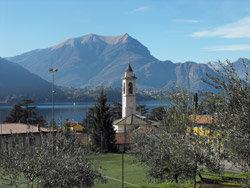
x=93, y=60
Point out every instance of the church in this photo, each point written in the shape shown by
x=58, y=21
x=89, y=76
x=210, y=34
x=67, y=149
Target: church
x=131, y=120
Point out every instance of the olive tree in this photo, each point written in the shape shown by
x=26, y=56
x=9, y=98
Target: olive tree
x=232, y=111
x=60, y=161
x=174, y=150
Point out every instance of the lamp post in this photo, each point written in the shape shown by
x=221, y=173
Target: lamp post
x=53, y=92
x=124, y=150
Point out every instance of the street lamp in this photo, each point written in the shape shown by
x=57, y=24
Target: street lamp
x=53, y=92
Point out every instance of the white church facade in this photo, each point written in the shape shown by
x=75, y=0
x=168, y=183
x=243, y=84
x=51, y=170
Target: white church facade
x=131, y=120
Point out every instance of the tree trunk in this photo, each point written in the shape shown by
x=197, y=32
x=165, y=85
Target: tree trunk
x=176, y=178
x=194, y=181
x=194, y=177
x=30, y=184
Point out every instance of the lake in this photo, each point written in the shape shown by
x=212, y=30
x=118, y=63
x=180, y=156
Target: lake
x=74, y=112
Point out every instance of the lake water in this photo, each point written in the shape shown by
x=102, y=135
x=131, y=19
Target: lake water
x=74, y=112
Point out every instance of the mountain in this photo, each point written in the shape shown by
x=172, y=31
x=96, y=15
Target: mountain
x=92, y=60
x=17, y=82
x=87, y=61
x=238, y=65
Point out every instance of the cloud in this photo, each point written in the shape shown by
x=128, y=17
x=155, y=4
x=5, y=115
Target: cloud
x=239, y=29
x=141, y=9
x=186, y=21
x=229, y=48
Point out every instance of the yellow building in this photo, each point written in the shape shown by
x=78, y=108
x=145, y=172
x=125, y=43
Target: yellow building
x=73, y=126
x=203, y=122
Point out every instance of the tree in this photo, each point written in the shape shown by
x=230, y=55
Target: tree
x=158, y=113
x=89, y=118
x=174, y=150
x=232, y=111
x=60, y=161
x=142, y=109
x=23, y=113
x=15, y=114
x=103, y=133
x=116, y=110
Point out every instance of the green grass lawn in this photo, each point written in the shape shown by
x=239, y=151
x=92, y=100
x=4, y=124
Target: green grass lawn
x=133, y=173
x=22, y=183
x=112, y=170
x=136, y=175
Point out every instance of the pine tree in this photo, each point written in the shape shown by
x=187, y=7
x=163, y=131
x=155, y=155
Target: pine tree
x=23, y=113
x=15, y=114
x=103, y=134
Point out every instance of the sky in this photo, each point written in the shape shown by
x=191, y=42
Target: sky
x=175, y=30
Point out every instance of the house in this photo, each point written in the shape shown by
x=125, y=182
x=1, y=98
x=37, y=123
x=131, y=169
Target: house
x=203, y=122
x=28, y=135
x=73, y=126
x=133, y=122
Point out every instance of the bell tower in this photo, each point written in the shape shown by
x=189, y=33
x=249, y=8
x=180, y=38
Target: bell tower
x=128, y=92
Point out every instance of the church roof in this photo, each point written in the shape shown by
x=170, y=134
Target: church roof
x=129, y=69
x=134, y=119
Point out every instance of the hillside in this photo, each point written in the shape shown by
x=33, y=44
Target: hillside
x=17, y=82
x=92, y=60
x=87, y=61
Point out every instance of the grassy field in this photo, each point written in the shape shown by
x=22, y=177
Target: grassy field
x=112, y=170
x=134, y=175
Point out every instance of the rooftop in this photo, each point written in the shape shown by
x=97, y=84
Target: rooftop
x=19, y=128
x=202, y=119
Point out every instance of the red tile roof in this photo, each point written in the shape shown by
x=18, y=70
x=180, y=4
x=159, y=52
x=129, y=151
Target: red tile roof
x=202, y=119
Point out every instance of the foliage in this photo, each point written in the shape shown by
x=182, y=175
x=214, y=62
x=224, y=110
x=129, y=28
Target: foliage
x=116, y=110
x=174, y=150
x=89, y=119
x=24, y=113
x=158, y=113
x=60, y=161
x=142, y=109
x=15, y=114
x=232, y=111
x=103, y=133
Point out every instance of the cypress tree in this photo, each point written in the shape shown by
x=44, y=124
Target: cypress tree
x=103, y=134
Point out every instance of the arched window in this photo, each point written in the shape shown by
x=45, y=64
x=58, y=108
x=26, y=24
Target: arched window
x=130, y=88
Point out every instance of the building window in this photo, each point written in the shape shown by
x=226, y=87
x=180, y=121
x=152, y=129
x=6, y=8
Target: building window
x=130, y=88
x=124, y=88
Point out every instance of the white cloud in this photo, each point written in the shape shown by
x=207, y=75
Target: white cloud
x=186, y=21
x=141, y=9
x=229, y=48
x=239, y=29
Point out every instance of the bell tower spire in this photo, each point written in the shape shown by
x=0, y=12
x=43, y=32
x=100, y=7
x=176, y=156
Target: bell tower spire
x=128, y=92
